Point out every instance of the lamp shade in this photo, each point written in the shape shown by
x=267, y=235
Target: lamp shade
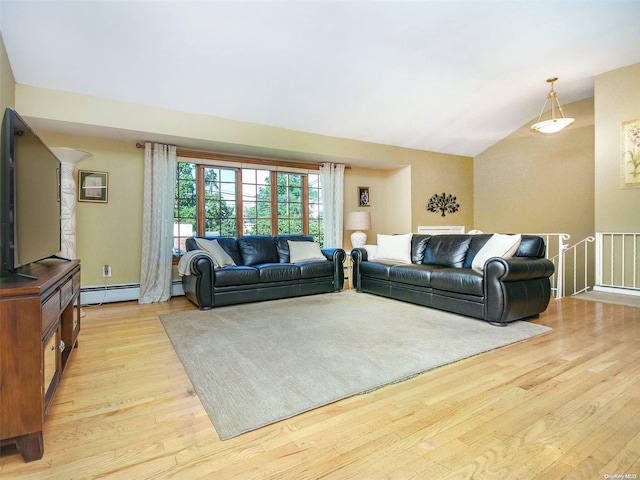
x=555, y=124
x=552, y=126
x=358, y=221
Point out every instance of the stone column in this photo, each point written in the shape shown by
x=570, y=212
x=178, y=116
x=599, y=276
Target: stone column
x=68, y=157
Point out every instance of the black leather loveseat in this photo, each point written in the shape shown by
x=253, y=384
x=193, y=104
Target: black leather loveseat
x=258, y=268
x=441, y=275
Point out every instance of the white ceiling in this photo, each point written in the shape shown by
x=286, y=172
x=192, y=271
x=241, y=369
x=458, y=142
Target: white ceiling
x=445, y=76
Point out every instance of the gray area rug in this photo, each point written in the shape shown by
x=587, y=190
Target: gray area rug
x=256, y=364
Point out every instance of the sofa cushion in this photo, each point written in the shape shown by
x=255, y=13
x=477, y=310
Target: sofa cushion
x=375, y=270
x=498, y=245
x=461, y=280
x=229, y=244
x=316, y=269
x=413, y=274
x=477, y=242
x=418, y=246
x=220, y=257
x=394, y=249
x=278, y=272
x=304, y=251
x=282, y=244
x=531, y=246
x=447, y=250
x=238, y=275
x=258, y=249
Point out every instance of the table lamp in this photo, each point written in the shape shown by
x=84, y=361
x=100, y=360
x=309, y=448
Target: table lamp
x=358, y=221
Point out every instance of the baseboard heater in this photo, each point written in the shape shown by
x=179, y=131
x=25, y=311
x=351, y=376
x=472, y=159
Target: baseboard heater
x=98, y=294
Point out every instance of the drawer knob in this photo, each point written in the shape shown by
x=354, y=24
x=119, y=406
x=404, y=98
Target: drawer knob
x=62, y=346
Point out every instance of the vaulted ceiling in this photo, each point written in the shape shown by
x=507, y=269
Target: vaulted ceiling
x=445, y=76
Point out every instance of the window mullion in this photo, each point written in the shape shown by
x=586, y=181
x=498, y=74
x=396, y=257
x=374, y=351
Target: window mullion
x=239, y=204
x=200, y=220
x=273, y=179
x=305, y=204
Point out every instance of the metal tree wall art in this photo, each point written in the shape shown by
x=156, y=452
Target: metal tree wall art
x=443, y=203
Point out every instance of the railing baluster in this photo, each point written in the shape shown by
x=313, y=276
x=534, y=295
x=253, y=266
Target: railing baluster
x=618, y=259
x=614, y=254
x=611, y=256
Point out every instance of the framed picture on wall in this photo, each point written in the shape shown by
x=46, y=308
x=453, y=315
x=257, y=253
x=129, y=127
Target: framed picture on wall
x=364, y=199
x=631, y=154
x=93, y=186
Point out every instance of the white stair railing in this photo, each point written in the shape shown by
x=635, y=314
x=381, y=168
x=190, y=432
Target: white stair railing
x=617, y=262
x=578, y=256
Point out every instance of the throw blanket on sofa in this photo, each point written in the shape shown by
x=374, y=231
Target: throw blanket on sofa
x=184, y=265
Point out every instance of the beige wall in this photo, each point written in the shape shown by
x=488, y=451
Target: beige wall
x=377, y=181
x=7, y=81
x=393, y=190
x=401, y=179
x=444, y=174
x=533, y=183
x=109, y=233
x=617, y=99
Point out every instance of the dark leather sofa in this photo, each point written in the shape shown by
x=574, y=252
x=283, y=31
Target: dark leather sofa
x=507, y=289
x=261, y=272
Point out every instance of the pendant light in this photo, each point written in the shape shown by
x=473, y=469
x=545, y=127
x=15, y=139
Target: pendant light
x=554, y=125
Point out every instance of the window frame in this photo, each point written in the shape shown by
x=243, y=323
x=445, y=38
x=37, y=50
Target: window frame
x=203, y=161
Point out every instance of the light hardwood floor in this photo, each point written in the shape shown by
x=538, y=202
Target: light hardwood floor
x=562, y=405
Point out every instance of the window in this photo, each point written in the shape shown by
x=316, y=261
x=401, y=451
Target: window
x=232, y=201
x=290, y=203
x=316, y=227
x=256, y=202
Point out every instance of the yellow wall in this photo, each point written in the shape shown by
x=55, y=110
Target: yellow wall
x=617, y=101
x=377, y=181
x=401, y=179
x=7, y=81
x=108, y=233
x=528, y=182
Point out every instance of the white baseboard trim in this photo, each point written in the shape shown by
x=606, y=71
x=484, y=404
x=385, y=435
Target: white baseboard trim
x=99, y=294
x=620, y=291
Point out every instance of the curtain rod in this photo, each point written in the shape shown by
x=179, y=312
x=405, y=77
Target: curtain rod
x=201, y=154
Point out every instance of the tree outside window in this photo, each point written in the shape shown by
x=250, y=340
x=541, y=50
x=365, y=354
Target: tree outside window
x=221, y=201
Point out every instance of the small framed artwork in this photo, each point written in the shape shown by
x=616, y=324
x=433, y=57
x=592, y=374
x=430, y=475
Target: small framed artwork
x=364, y=199
x=93, y=186
x=631, y=154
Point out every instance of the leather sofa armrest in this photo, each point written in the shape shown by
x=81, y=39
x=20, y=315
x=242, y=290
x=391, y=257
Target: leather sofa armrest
x=516, y=288
x=198, y=286
x=203, y=265
x=358, y=255
x=334, y=254
x=337, y=255
x=518, y=268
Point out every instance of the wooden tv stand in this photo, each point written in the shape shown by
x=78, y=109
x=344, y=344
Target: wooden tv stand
x=39, y=328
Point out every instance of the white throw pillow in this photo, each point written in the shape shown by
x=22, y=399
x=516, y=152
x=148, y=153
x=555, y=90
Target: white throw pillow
x=220, y=257
x=304, y=251
x=394, y=248
x=372, y=251
x=498, y=245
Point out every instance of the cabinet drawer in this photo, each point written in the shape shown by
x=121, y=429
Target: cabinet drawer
x=50, y=311
x=66, y=292
x=76, y=283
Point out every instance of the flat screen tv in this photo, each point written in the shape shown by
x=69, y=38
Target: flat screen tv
x=29, y=196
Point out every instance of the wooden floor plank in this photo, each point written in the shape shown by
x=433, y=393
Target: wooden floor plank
x=561, y=405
